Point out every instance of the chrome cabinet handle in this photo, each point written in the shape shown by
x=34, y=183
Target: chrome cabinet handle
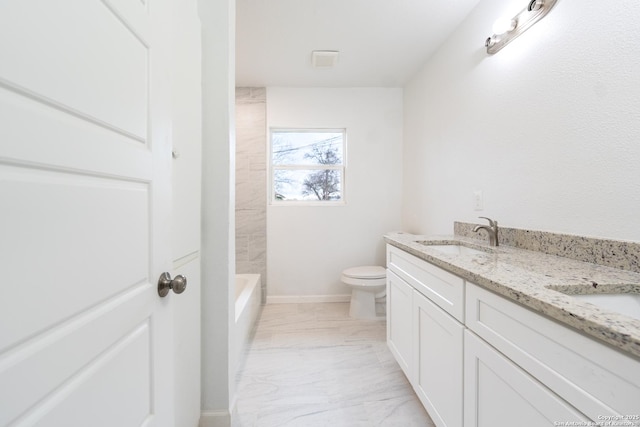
x=165, y=284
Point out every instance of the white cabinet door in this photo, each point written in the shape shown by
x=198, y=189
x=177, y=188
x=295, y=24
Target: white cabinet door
x=399, y=321
x=499, y=394
x=438, y=349
x=85, y=187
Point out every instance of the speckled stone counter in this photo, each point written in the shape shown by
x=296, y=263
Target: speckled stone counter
x=539, y=281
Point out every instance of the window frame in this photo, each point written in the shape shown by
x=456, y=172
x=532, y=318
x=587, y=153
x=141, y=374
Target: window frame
x=273, y=168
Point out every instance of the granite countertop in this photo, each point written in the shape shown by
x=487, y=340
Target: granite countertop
x=541, y=282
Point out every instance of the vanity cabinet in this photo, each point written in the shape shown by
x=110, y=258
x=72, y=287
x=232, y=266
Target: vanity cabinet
x=597, y=380
x=477, y=359
x=424, y=335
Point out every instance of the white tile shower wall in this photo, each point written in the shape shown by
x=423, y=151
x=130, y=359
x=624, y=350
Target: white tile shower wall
x=251, y=186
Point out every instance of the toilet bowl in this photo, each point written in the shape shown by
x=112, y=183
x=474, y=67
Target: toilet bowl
x=367, y=283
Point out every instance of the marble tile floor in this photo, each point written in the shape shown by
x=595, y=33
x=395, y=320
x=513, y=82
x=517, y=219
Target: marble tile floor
x=311, y=365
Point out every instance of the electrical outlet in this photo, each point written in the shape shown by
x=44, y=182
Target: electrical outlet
x=477, y=200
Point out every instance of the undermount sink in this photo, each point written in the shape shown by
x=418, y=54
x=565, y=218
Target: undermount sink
x=626, y=304
x=455, y=248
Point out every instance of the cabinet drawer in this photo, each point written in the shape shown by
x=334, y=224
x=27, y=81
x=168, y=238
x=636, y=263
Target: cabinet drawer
x=443, y=288
x=596, y=379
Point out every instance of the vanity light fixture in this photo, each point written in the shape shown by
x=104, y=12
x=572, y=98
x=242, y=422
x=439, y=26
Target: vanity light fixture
x=506, y=30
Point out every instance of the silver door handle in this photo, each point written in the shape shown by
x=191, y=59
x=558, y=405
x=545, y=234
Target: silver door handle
x=165, y=284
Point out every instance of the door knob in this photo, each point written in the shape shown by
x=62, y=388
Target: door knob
x=165, y=283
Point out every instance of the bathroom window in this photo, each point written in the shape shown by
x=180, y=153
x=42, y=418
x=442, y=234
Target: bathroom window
x=308, y=166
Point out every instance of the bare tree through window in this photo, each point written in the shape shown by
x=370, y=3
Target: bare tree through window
x=307, y=165
x=324, y=184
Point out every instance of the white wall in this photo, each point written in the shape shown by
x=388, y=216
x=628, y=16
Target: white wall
x=548, y=128
x=218, y=202
x=186, y=177
x=308, y=247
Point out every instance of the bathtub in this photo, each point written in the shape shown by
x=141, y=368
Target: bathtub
x=247, y=307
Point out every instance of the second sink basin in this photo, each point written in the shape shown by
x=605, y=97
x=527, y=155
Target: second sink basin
x=626, y=304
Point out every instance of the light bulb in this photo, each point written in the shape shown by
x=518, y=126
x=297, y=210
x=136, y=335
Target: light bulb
x=504, y=25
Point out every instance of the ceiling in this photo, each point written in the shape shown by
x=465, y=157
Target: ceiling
x=382, y=43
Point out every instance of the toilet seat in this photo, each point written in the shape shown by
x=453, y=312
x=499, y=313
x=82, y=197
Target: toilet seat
x=366, y=272
x=367, y=276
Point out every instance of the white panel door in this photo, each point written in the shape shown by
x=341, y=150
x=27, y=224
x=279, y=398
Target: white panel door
x=85, y=188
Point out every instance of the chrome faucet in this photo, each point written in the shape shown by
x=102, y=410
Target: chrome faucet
x=492, y=229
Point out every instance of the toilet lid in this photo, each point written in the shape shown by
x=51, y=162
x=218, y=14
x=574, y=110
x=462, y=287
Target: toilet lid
x=366, y=272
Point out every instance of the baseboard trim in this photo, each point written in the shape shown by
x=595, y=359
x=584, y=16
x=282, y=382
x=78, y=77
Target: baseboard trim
x=301, y=299
x=215, y=419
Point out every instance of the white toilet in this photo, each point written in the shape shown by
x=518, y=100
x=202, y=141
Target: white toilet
x=367, y=283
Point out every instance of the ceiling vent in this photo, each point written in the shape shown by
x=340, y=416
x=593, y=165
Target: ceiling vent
x=324, y=58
